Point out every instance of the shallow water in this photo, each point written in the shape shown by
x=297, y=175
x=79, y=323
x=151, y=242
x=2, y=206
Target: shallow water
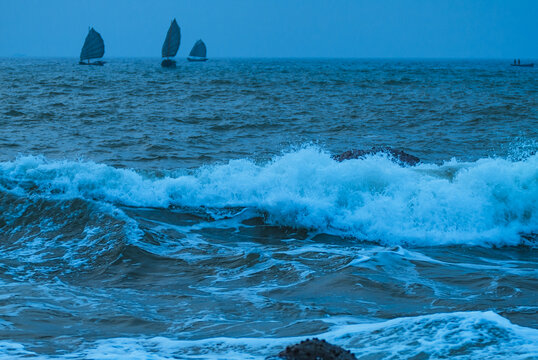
x=197, y=212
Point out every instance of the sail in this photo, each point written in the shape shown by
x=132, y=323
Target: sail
x=199, y=49
x=171, y=43
x=93, y=47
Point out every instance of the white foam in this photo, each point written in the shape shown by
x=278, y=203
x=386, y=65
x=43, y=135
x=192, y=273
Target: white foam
x=488, y=202
x=459, y=335
x=462, y=335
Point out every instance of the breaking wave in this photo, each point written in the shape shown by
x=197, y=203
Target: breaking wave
x=489, y=202
x=459, y=335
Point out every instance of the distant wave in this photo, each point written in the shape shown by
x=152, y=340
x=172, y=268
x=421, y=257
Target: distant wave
x=492, y=201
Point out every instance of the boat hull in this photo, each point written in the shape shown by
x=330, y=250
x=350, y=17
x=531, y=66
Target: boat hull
x=195, y=59
x=167, y=63
x=95, y=63
x=523, y=65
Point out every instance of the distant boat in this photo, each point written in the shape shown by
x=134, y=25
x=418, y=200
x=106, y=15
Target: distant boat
x=523, y=65
x=171, y=45
x=93, y=48
x=198, y=52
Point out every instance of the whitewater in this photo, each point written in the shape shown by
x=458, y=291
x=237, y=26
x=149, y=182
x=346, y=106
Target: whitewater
x=489, y=202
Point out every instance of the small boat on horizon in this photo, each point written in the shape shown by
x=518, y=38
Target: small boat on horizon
x=93, y=48
x=171, y=45
x=518, y=63
x=198, y=52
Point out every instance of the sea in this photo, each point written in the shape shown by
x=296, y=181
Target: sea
x=198, y=212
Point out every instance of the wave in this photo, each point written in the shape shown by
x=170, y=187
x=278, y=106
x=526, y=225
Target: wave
x=461, y=335
x=489, y=202
x=45, y=237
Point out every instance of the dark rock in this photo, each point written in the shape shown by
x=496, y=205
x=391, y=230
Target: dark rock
x=398, y=156
x=315, y=349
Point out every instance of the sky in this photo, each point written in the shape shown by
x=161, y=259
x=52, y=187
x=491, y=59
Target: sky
x=276, y=28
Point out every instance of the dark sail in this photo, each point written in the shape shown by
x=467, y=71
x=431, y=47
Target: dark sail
x=171, y=43
x=199, y=50
x=93, y=47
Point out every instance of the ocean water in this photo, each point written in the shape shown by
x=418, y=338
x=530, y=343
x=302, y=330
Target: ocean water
x=197, y=213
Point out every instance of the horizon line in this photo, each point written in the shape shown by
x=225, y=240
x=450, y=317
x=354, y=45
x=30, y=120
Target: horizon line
x=24, y=56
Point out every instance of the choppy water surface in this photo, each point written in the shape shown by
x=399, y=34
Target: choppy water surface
x=197, y=212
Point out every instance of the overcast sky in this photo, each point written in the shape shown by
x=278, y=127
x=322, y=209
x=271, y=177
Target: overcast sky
x=276, y=28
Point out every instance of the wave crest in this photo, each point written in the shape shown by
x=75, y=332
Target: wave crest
x=492, y=201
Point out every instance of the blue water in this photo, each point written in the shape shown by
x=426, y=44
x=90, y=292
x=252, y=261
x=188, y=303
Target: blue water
x=198, y=212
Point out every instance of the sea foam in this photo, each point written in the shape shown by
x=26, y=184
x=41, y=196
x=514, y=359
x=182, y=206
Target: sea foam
x=458, y=335
x=492, y=201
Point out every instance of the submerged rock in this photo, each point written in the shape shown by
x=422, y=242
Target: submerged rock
x=398, y=155
x=315, y=349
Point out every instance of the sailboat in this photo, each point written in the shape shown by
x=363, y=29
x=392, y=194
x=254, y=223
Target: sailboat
x=171, y=45
x=93, y=48
x=198, y=52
